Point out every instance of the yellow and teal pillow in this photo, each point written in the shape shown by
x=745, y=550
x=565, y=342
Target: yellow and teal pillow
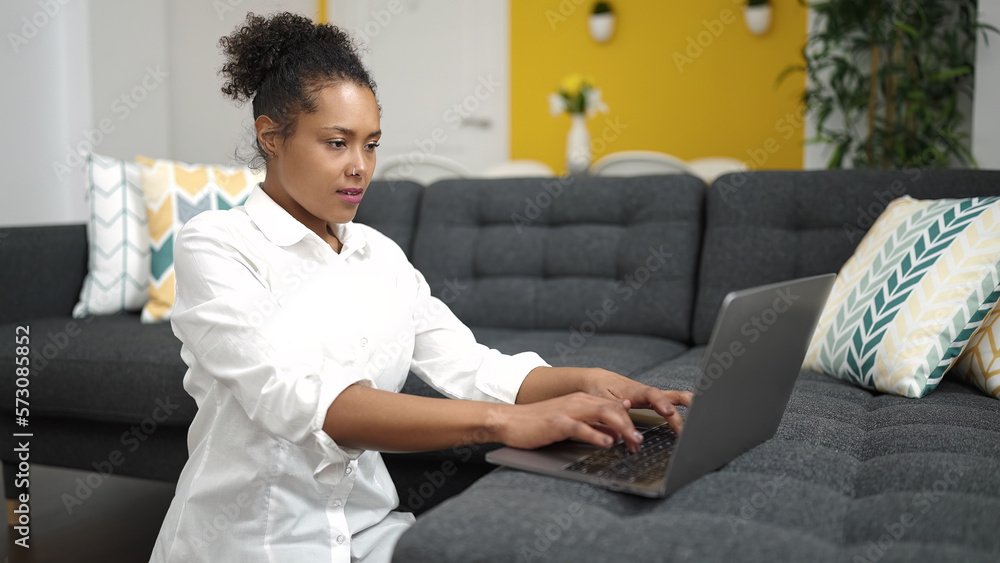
x=174, y=192
x=916, y=289
x=979, y=363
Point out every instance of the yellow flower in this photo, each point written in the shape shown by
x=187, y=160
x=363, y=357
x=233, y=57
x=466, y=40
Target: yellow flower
x=572, y=84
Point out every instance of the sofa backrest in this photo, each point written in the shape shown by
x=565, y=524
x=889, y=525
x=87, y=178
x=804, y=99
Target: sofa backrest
x=771, y=226
x=604, y=254
x=390, y=207
x=41, y=271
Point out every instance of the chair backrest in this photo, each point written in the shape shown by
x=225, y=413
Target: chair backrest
x=638, y=163
x=522, y=168
x=710, y=168
x=420, y=168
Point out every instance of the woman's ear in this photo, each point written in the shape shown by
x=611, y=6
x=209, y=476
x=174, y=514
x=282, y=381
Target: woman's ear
x=267, y=134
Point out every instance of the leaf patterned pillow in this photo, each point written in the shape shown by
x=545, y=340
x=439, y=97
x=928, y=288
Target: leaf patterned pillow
x=917, y=287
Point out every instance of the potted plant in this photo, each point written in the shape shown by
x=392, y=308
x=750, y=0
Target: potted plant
x=601, y=22
x=757, y=14
x=887, y=81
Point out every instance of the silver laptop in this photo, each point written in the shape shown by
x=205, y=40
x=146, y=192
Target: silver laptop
x=753, y=358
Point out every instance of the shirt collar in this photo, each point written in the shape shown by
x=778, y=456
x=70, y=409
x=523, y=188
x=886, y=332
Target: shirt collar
x=284, y=230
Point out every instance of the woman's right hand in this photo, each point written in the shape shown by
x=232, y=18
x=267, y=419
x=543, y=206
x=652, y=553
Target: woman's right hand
x=580, y=416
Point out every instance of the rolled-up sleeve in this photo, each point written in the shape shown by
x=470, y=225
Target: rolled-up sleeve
x=237, y=334
x=447, y=356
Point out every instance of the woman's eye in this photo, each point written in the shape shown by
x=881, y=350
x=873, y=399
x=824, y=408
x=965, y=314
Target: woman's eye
x=373, y=146
x=338, y=144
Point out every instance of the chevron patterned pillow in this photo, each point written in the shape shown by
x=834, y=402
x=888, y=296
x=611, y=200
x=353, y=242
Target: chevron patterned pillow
x=174, y=192
x=917, y=287
x=118, y=238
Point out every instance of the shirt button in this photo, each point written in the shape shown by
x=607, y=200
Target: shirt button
x=337, y=502
x=364, y=341
x=341, y=539
x=348, y=471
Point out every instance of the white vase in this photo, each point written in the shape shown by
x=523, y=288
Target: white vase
x=758, y=18
x=577, y=145
x=601, y=26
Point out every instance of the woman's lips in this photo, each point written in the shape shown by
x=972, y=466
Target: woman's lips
x=351, y=195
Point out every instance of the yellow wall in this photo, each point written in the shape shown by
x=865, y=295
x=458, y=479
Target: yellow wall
x=721, y=101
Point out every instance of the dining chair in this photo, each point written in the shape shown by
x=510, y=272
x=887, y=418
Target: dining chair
x=638, y=163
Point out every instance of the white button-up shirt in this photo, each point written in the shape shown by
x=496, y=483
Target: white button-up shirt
x=274, y=325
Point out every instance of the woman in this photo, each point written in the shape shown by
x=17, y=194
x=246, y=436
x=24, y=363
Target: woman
x=299, y=327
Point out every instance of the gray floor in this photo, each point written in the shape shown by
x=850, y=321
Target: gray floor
x=116, y=524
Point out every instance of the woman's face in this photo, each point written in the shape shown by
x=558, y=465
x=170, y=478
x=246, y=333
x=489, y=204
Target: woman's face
x=319, y=173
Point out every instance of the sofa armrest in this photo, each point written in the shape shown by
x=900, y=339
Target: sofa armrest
x=43, y=271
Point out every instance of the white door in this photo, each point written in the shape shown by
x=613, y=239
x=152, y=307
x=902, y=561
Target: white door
x=442, y=71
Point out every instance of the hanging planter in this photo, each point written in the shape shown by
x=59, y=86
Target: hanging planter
x=602, y=22
x=757, y=14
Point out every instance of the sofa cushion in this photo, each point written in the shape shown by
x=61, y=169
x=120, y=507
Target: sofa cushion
x=771, y=226
x=104, y=368
x=906, y=302
x=606, y=255
x=850, y=474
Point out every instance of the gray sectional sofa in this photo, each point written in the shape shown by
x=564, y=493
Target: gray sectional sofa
x=626, y=274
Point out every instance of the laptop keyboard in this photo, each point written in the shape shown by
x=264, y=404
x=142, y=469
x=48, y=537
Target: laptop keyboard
x=646, y=466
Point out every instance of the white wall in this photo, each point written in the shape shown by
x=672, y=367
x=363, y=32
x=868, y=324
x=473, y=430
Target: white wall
x=130, y=75
x=119, y=77
x=986, y=125
x=205, y=125
x=46, y=101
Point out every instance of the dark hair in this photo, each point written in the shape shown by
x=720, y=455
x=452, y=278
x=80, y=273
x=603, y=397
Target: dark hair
x=281, y=62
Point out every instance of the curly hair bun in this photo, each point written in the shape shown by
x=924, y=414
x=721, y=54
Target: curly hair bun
x=280, y=62
x=291, y=45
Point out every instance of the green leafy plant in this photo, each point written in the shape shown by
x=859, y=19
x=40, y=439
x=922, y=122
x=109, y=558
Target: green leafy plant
x=895, y=70
x=601, y=8
x=758, y=2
